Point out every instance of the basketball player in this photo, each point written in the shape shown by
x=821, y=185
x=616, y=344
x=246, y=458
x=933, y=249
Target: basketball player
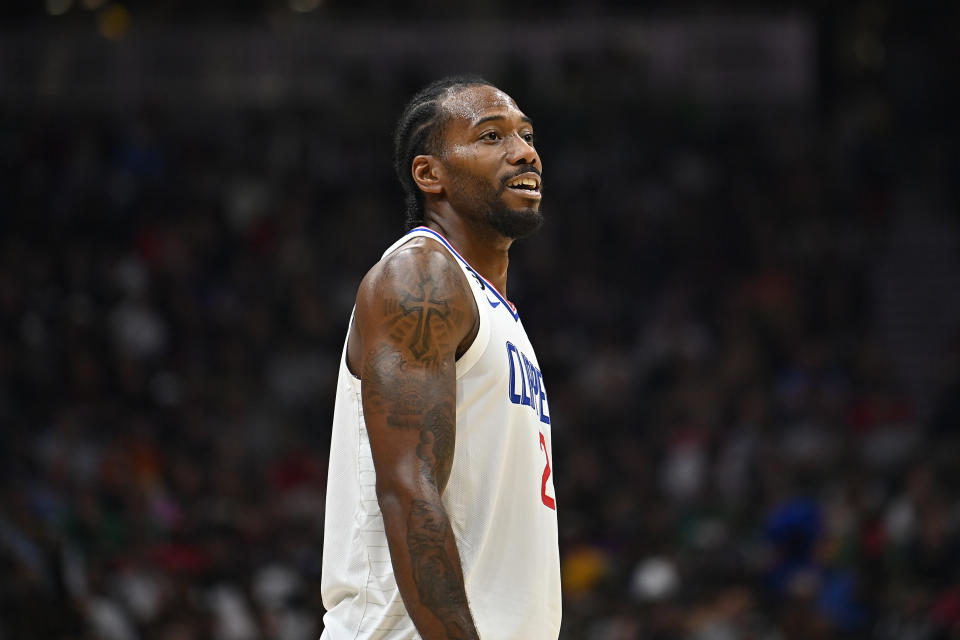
x=441, y=514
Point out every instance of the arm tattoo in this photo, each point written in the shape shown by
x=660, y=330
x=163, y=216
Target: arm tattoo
x=439, y=583
x=407, y=406
x=437, y=444
x=422, y=306
x=423, y=320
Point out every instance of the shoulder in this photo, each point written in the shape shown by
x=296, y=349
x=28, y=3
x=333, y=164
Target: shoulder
x=416, y=298
x=420, y=263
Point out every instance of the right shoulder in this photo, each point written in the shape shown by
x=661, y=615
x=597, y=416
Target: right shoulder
x=415, y=294
x=420, y=262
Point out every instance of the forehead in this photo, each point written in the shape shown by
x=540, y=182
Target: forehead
x=469, y=104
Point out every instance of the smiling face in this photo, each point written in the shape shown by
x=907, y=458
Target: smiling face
x=491, y=170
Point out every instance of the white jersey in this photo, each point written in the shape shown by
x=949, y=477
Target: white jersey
x=499, y=498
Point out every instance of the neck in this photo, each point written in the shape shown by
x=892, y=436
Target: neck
x=483, y=248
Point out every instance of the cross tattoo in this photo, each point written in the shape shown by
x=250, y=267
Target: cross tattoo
x=424, y=306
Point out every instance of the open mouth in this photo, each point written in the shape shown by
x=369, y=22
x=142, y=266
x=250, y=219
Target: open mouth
x=527, y=184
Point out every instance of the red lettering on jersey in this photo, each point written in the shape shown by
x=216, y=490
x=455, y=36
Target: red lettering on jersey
x=547, y=500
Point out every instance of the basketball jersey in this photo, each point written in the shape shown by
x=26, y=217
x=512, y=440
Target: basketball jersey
x=499, y=497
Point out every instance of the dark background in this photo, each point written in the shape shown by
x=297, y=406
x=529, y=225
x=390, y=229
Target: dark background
x=745, y=302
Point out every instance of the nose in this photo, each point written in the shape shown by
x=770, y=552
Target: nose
x=519, y=151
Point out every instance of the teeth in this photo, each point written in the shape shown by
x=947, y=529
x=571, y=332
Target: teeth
x=524, y=182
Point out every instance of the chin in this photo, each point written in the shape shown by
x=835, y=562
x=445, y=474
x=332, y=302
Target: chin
x=516, y=223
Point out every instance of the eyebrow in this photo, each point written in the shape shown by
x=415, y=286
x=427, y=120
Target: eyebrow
x=500, y=117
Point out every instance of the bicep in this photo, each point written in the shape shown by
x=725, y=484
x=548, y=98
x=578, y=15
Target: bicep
x=414, y=313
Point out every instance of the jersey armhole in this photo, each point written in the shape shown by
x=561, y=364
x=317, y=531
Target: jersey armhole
x=346, y=343
x=472, y=355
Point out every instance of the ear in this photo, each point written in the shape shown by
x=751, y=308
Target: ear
x=427, y=173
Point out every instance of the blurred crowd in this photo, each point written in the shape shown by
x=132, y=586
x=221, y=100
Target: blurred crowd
x=737, y=456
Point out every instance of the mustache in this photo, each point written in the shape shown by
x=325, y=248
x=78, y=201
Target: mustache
x=522, y=169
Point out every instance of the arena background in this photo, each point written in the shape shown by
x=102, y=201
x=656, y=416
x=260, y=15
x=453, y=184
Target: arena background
x=745, y=301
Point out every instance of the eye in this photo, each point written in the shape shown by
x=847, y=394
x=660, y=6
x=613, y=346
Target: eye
x=490, y=136
x=528, y=138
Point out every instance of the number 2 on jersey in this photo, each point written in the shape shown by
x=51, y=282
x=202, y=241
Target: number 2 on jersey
x=547, y=500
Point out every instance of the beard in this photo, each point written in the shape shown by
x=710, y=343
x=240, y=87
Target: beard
x=514, y=223
x=487, y=203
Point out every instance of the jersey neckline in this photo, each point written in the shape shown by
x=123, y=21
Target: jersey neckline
x=511, y=309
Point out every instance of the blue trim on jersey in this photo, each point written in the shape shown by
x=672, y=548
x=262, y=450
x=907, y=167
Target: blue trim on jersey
x=493, y=289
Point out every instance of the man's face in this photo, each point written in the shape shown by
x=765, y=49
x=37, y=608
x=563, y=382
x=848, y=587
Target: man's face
x=493, y=170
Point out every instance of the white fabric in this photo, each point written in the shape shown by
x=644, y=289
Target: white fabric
x=497, y=498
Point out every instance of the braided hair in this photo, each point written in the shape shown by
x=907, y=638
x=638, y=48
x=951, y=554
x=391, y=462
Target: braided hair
x=419, y=131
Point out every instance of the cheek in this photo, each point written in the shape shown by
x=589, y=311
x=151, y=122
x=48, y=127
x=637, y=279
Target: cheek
x=476, y=162
x=466, y=156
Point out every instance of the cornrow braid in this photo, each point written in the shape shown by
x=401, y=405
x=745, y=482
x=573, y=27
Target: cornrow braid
x=418, y=132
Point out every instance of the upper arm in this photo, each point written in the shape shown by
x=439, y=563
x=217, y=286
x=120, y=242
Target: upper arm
x=414, y=311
